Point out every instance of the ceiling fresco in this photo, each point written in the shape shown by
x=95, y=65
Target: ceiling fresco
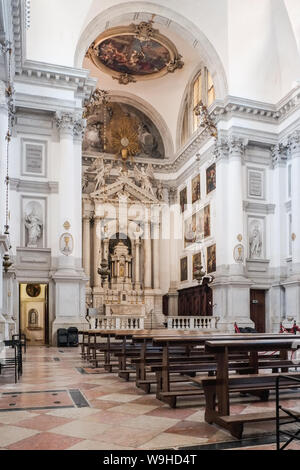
x=128, y=54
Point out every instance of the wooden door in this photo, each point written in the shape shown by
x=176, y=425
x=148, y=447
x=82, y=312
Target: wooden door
x=258, y=309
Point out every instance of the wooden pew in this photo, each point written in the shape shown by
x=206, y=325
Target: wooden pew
x=163, y=370
x=217, y=389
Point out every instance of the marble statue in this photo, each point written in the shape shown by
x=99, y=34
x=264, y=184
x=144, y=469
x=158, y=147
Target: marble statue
x=103, y=171
x=34, y=226
x=255, y=242
x=144, y=176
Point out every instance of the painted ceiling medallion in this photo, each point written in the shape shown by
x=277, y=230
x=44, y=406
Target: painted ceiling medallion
x=135, y=52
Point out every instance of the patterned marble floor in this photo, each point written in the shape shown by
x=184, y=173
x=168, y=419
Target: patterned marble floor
x=54, y=406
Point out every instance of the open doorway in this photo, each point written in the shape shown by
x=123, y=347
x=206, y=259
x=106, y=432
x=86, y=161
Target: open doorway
x=34, y=321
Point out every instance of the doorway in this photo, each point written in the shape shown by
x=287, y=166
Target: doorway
x=34, y=320
x=258, y=309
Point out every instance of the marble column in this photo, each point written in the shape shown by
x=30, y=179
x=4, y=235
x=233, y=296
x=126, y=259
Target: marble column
x=86, y=252
x=231, y=289
x=156, y=256
x=3, y=145
x=235, y=214
x=294, y=148
x=147, y=257
x=97, y=251
x=69, y=279
x=137, y=264
x=279, y=230
x=292, y=285
x=174, y=222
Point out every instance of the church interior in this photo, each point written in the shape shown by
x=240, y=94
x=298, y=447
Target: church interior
x=149, y=225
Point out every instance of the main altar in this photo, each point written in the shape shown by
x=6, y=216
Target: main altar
x=122, y=227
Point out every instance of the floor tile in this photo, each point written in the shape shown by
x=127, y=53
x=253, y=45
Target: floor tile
x=118, y=397
x=45, y=441
x=12, y=434
x=43, y=422
x=133, y=408
x=168, y=441
x=82, y=429
x=126, y=436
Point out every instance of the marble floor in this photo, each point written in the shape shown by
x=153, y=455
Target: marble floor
x=56, y=406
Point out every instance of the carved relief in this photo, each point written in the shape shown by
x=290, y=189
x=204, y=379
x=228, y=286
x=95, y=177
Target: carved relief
x=33, y=220
x=255, y=238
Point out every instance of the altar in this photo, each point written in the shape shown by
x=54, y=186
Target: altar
x=120, y=227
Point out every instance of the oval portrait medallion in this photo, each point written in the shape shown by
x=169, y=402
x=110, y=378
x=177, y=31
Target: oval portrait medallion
x=33, y=290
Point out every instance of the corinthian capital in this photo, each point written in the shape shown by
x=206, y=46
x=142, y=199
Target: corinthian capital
x=236, y=145
x=69, y=123
x=221, y=149
x=279, y=154
x=294, y=141
x=79, y=128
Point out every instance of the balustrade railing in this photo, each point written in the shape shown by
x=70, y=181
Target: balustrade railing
x=117, y=323
x=192, y=323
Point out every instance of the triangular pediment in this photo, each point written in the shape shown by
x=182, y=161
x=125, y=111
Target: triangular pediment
x=124, y=188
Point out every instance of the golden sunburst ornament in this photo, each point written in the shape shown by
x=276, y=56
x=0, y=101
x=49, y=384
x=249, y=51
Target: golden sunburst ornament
x=125, y=142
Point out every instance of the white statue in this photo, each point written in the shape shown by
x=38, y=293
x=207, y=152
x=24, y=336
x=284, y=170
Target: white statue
x=103, y=171
x=144, y=176
x=34, y=226
x=160, y=193
x=255, y=242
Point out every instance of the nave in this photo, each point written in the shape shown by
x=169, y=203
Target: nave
x=63, y=403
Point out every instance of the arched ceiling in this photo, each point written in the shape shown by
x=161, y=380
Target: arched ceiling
x=251, y=52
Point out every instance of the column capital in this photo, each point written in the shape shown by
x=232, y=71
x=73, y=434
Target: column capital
x=236, y=145
x=70, y=124
x=279, y=154
x=221, y=149
x=293, y=142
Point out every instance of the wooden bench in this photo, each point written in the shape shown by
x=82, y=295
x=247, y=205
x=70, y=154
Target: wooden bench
x=255, y=384
x=218, y=389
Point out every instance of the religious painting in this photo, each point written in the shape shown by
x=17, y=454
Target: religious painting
x=196, y=191
x=197, y=262
x=183, y=199
x=131, y=55
x=211, y=259
x=134, y=52
x=211, y=178
x=189, y=231
x=103, y=122
x=184, y=269
x=33, y=290
x=206, y=221
x=197, y=227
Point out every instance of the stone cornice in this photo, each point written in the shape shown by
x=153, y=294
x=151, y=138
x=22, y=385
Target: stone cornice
x=57, y=76
x=257, y=110
x=258, y=208
x=32, y=186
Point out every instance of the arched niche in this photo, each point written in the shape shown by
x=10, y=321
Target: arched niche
x=144, y=108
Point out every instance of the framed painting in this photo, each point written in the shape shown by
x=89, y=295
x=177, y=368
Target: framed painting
x=197, y=261
x=184, y=269
x=190, y=231
x=196, y=189
x=211, y=182
x=211, y=259
x=207, y=221
x=183, y=199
